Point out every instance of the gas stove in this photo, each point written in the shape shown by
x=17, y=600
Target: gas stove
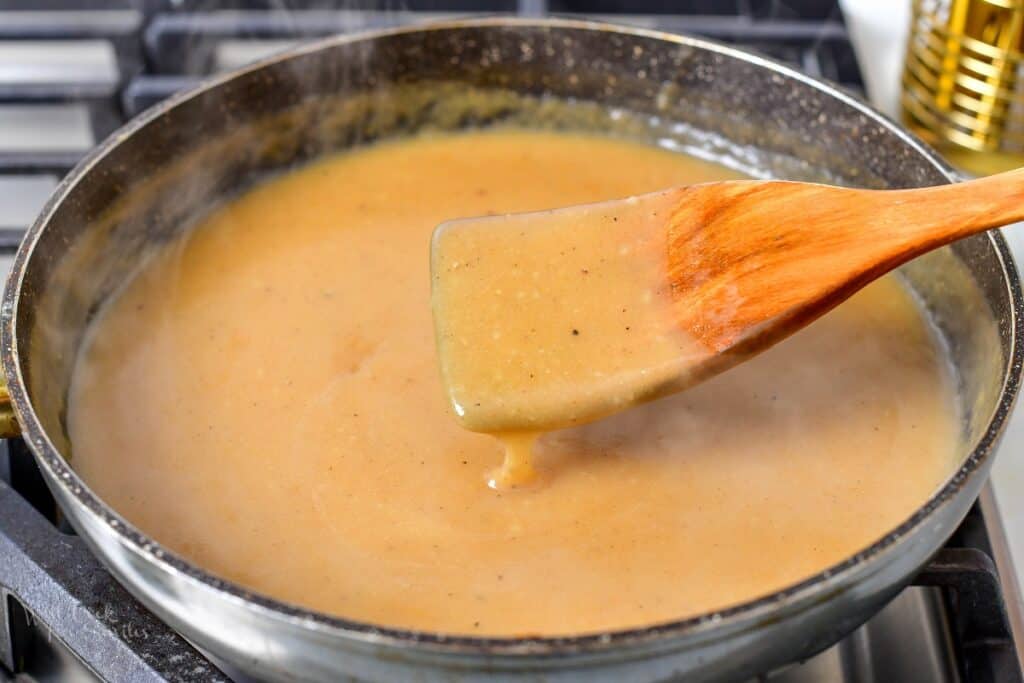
x=69, y=76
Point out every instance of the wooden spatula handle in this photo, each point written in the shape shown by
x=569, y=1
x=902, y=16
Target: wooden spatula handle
x=754, y=259
x=932, y=216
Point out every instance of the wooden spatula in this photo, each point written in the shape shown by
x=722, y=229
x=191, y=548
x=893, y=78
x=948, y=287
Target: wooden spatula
x=560, y=317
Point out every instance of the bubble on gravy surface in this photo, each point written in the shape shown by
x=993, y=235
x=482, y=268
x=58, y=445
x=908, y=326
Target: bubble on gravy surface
x=264, y=399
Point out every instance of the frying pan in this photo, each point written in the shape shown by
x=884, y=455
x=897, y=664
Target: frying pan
x=159, y=174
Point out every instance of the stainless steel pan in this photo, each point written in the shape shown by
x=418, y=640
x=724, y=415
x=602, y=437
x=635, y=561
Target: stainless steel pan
x=152, y=178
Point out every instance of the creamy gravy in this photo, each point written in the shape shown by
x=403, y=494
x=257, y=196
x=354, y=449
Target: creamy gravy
x=264, y=399
x=556, y=318
x=547, y=319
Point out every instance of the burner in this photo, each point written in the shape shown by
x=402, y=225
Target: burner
x=69, y=76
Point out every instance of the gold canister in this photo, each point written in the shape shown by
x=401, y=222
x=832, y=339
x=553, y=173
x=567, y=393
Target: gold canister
x=962, y=80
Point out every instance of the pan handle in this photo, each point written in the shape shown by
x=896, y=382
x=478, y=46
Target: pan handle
x=9, y=427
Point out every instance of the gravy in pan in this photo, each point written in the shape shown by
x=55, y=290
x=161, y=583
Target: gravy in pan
x=264, y=399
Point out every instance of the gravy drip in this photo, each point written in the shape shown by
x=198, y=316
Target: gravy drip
x=264, y=399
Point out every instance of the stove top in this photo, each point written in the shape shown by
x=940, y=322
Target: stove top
x=69, y=75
